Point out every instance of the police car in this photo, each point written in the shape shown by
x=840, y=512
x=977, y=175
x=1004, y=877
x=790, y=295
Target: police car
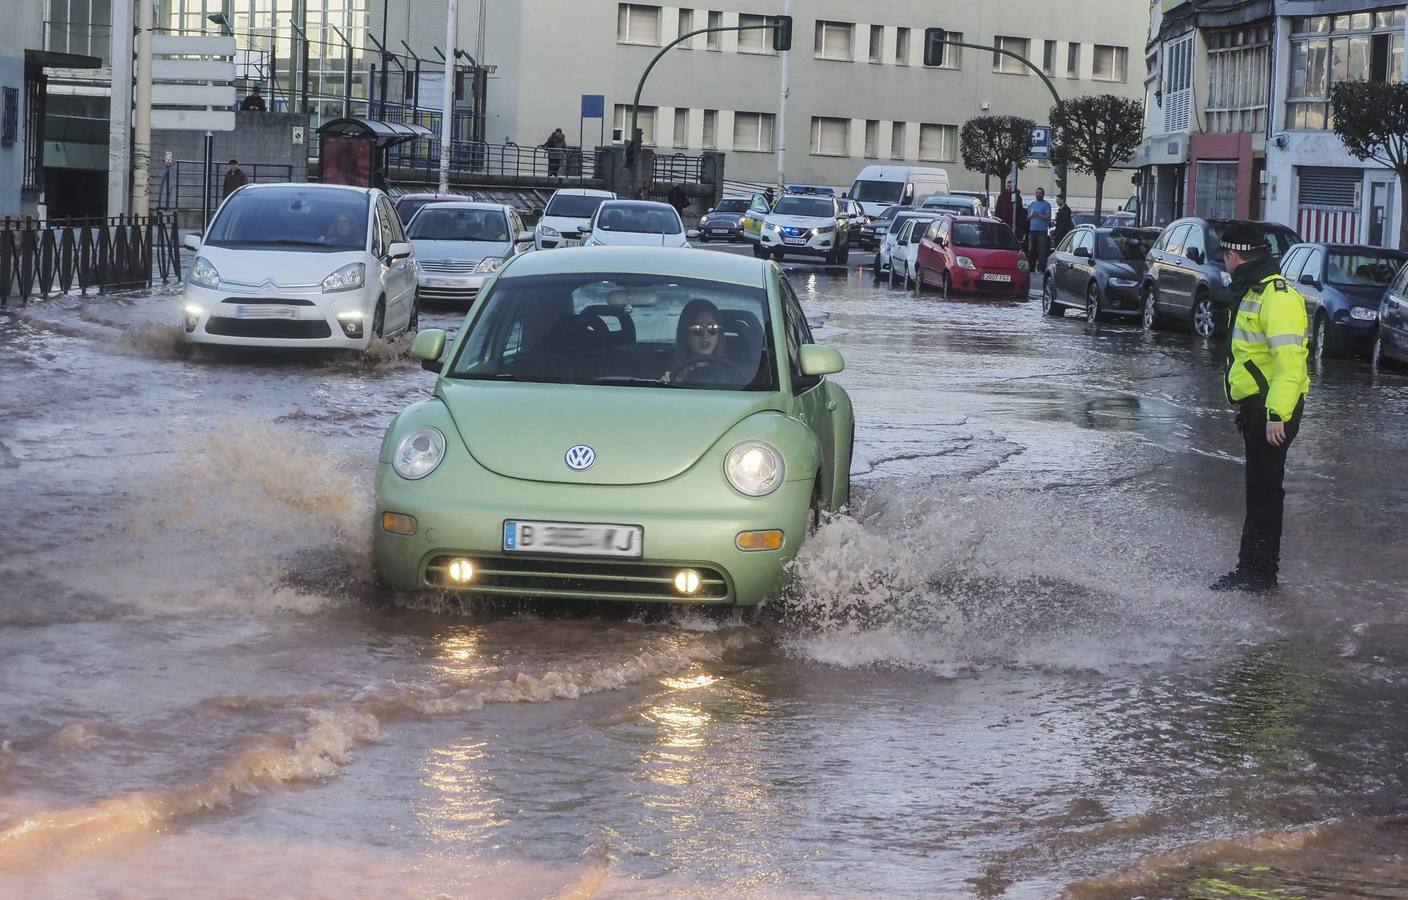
x=809, y=221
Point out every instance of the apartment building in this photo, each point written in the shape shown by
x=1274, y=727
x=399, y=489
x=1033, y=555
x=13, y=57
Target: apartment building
x=857, y=91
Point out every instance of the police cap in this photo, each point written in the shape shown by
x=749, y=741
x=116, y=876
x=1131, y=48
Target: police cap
x=1243, y=237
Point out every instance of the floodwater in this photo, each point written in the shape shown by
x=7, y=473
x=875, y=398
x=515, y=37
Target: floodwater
x=1000, y=676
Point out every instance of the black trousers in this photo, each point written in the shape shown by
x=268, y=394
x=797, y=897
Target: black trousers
x=1038, y=246
x=1266, y=470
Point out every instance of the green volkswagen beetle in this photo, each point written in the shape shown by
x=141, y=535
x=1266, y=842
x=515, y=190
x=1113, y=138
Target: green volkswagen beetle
x=618, y=423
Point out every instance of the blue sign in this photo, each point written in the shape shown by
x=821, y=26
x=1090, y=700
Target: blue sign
x=1041, y=142
x=593, y=106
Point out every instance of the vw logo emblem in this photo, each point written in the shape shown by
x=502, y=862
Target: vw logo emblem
x=580, y=457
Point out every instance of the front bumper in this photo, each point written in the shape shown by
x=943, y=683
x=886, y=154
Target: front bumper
x=814, y=245
x=1122, y=299
x=971, y=281
x=441, y=288
x=460, y=511
x=1353, y=336
x=307, y=320
x=721, y=232
x=564, y=239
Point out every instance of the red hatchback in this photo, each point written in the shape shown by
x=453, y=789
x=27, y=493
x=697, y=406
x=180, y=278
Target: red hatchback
x=973, y=254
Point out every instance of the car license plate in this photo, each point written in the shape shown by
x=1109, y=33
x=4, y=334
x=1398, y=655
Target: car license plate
x=574, y=538
x=571, y=242
x=265, y=312
x=795, y=241
x=718, y=231
x=993, y=276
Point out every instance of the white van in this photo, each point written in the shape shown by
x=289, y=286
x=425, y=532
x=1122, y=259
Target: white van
x=877, y=187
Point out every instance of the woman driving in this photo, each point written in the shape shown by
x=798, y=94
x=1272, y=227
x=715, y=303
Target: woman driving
x=699, y=332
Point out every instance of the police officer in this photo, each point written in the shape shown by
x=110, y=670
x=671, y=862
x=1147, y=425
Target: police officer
x=1266, y=380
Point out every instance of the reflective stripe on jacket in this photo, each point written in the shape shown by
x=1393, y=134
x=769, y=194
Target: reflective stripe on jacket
x=1269, y=348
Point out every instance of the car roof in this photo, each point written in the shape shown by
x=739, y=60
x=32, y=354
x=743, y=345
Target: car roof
x=643, y=204
x=1365, y=249
x=307, y=185
x=431, y=197
x=977, y=219
x=473, y=204
x=584, y=192
x=682, y=261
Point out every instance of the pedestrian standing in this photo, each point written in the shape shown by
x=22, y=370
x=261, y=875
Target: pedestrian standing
x=678, y=199
x=1267, y=381
x=1010, y=210
x=1065, y=223
x=1038, y=227
x=235, y=178
x=556, y=145
x=254, y=101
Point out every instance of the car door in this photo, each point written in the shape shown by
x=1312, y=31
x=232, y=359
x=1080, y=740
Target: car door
x=1173, y=275
x=1393, y=315
x=1310, y=281
x=927, y=253
x=1081, y=267
x=1058, y=262
x=401, y=273
x=808, y=391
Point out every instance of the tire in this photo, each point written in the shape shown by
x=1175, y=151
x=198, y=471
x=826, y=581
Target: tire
x=1322, y=341
x=414, y=324
x=1202, y=320
x=1378, y=359
x=378, y=319
x=1094, y=313
x=759, y=252
x=703, y=238
x=777, y=254
x=909, y=283
x=875, y=268
x=1049, y=306
x=1149, y=316
x=890, y=276
x=919, y=285
x=947, y=285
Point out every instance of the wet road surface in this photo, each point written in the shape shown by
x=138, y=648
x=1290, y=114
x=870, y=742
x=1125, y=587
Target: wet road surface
x=1000, y=676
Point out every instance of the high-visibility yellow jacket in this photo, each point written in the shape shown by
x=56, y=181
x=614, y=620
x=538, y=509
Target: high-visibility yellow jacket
x=1269, y=348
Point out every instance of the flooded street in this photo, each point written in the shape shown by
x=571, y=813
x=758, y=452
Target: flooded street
x=1001, y=676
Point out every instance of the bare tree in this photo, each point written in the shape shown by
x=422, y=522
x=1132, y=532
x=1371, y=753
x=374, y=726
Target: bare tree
x=1371, y=119
x=1093, y=134
x=994, y=144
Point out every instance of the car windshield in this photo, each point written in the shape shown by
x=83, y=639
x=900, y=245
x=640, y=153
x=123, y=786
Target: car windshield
x=1129, y=246
x=889, y=213
x=983, y=236
x=1362, y=269
x=441, y=223
x=407, y=209
x=948, y=203
x=815, y=207
x=877, y=191
x=639, y=218
x=732, y=205
x=632, y=330
x=306, y=218
x=573, y=206
x=1279, y=239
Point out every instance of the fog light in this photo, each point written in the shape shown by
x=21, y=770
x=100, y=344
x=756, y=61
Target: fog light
x=397, y=523
x=351, y=323
x=461, y=571
x=192, y=316
x=687, y=581
x=759, y=540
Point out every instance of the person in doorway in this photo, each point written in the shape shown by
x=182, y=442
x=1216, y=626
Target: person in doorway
x=678, y=199
x=770, y=195
x=1038, y=231
x=556, y=145
x=1065, y=223
x=235, y=178
x=1266, y=381
x=1010, y=208
x=254, y=102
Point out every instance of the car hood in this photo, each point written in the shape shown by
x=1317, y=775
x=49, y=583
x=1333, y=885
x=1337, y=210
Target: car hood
x=1359, y=295
x=799, y=221
x=457, y=251
x=1129, y=271
x=636, y=239
x=981, y=256
x=273, y=269
x=724, y=218
x=639, y=435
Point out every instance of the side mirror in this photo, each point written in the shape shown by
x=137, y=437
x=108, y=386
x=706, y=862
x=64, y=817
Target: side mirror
x=692, y=233
x=525, y=237
x=428, y=347
x=1194, y=254
x=1309, y=280
x=818, y=359
x=398, y=250
x=709, y=210
x=1083, y=252
x=191, y=242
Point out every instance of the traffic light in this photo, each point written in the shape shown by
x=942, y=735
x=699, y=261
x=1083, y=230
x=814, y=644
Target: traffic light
x=935, y=39
x=781, y=33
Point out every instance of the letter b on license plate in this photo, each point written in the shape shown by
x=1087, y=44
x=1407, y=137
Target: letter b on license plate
x=574, y=538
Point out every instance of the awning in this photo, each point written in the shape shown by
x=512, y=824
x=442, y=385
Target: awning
x=387, y=134
x=49, y=59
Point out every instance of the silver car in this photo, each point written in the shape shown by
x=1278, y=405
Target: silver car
x=459, y=246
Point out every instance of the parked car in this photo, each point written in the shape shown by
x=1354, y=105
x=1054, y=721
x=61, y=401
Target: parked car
x=635, y=223
x=905, y=251
x=725, y=221
x=811, y=224
x=459, y=246
x=1343, y=285
x=881, y=264
x=1391, y=337
x=567, y=217
x=873, y=231
x=958, y=205
x=981, y=197
x=1097, y=270
x=300, y=265
x=407, y=205
x=877, y=187
x=617, y=423
x=972, y=254
x=1119, y=219
x=1186, y=278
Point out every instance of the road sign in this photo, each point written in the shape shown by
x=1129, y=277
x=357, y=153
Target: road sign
x=221, y=95
x=193, y=70
x=176, y=45
x=593, y=106
x=193, y=119
x=1041, y=142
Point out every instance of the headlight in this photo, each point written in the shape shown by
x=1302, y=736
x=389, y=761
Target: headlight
x=418, y=453
x=754, y=468
x=348, y=278
x=489, y=264
x=204, y=274
x=768, y=226
x=1023, y=265
x=548, y=231
x=1363, y=313
x=963, y=262
x=824, y=229
x=1226, y=279
x=1123, y=282
x=704, y=220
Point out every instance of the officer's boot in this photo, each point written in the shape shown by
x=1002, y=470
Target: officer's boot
x=1236, y=580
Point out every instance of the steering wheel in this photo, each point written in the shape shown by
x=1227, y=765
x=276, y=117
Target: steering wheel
x=681, y=373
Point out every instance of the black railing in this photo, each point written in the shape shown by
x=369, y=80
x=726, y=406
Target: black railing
x=181, y=185
x=423, y=158
x=42, y=258
x=678, y=168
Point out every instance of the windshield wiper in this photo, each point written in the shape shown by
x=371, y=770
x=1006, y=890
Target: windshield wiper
x=630, y=382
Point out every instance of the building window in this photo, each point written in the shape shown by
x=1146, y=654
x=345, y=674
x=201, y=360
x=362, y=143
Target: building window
x=1178, y=84
x=645, y=121
x=872, y=138
x=686, y=26
x=1001, y=62
x=681, y=127
x=877, y=43
x=1110, y=63
x=714, y=40
x=757, y=39
x=901, y=46
x=1326, y=50
x=711, y=129
x=897, y=140
x=636, y=24
x=833, y=40
x=938, y=143
x=1048, y=58
x=1073, y=60
x=830, y=137
x=1215, y=192
x=1238, y=83
x=10, y=124
x=752, y=132
x=953, y=56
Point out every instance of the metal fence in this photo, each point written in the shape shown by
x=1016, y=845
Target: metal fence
x=512, y=160
x=42, y=258
x=181, y=185
x=678, y=168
